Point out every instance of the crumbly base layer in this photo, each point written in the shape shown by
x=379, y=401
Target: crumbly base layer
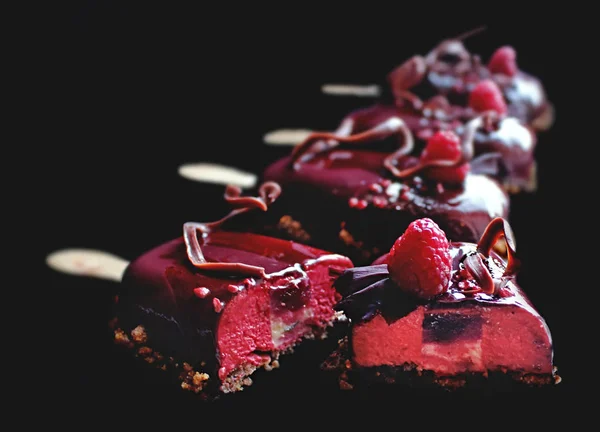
x=192, y=378
x=197, y=378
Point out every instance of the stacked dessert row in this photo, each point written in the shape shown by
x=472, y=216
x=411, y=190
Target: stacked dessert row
x=394, y=228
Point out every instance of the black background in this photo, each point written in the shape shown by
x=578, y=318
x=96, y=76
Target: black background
x=120, y=94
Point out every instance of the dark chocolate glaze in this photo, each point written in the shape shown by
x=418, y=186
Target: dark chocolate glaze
x=430, y=93
x=504, y=149
x=346, y=201
x=158, y=288
x=368, y=290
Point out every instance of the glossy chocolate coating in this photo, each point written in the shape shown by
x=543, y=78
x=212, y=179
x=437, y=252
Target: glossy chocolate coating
x=346, y=201
x=393, y=303
x=463, y=332
x=505, y=151
x=158, y=288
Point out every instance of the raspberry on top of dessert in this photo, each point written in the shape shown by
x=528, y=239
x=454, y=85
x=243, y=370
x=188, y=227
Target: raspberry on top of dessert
x=449, y=314
x=451, y=71
x=222, y=301
x=356, y=194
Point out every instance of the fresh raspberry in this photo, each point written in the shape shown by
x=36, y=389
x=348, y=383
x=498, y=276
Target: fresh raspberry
x=487, y=96
x=419, y=262
x=445, y=145
x=504, y=61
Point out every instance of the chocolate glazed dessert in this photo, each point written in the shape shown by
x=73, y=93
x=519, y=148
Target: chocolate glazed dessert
x=451, y=71
x=213, y=306
x=449, y=86
x=354, y=195
x=439, y=314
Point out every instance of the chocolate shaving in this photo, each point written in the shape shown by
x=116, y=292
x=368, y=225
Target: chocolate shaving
x=498, y=228
x=478, y=269
x=368, y=290
x=320, y=142
x=355, y=279
x=267, y=194
x=362, y=291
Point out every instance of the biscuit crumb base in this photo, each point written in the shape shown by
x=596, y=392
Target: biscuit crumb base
x=196, y=378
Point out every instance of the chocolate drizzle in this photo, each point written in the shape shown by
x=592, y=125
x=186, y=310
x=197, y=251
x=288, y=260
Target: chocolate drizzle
x=267, y=194
x=321, y=142
x=368, y=290
x=498, y=228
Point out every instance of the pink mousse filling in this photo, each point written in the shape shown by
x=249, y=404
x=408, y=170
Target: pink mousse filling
x=452, y=340
x=277, y=313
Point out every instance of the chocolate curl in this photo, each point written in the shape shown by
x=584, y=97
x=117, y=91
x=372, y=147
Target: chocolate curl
x=267, y=194
x=466, y=154
x=498, y=228
x=327, y=141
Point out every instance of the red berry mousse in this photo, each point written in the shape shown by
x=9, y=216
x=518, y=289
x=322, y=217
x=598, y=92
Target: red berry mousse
x=447, y=314
x=356, y=194
x=215, y=304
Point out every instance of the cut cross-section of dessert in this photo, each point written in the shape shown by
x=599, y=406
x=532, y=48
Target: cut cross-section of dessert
x=216, y=304
x=444, y=314
x=355, y=195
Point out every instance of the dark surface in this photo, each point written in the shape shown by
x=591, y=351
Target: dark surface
x=122, y=96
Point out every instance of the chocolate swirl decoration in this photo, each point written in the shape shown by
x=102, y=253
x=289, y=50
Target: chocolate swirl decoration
x=369, y=289
x=412, y=72
x=268, y=192
x=497, y=228
x=320, y=142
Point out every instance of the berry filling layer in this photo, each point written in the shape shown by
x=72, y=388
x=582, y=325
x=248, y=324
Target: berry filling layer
x=446, y=309
x=249, y=320
x=223, y=302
